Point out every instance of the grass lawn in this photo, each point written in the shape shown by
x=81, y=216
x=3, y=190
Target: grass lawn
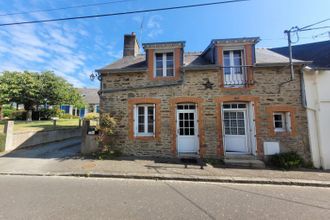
x=42, y=125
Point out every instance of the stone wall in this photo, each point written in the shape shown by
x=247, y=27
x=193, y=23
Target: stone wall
x=269, y=87
x=15, y=140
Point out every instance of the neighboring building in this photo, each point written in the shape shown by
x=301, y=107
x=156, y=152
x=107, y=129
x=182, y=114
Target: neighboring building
x=230, y=99
x=316, y=80
x=90, y=97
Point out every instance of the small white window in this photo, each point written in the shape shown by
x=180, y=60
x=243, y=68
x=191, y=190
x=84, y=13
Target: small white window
x=164, y=64
x=282, y=121
x=144, y=120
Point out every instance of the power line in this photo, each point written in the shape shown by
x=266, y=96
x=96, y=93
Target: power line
x=319, y=22
x=64, y=8
x=123, y=13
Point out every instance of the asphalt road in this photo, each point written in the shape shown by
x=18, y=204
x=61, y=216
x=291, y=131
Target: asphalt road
x=23, y=197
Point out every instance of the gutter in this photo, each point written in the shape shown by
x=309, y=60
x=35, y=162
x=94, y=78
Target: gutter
x=131, y=70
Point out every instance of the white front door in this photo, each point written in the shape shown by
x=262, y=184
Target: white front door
x=187, y=129
x=235, y=128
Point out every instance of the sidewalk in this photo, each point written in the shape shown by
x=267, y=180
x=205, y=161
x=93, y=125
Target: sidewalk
x=155, y=169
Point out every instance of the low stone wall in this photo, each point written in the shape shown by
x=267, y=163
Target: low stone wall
x=17, y=140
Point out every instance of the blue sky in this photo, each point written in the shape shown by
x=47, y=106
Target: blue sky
x=73, y=49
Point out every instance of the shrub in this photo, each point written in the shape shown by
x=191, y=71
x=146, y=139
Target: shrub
x=92, y=116
x=286, y=161
x=7, y=112
x=68, y=116
x=106, y=130
x=18, y=115
x=49, y=113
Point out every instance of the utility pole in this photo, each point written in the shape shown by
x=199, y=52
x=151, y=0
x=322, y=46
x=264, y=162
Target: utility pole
x=288, y=32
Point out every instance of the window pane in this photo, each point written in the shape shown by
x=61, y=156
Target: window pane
x=241, y=106
x=192, y=131
x=241, y=131
x=278, y=117
x=141, y=128
x=159, y=64
x=226, y=62
x=278, y=124
x=233, y=131
x=169, y=56
x=192, y=124
x=169, y=71
x=226, y=106
x=159, y=72
x=151, y=128
x=240, y=123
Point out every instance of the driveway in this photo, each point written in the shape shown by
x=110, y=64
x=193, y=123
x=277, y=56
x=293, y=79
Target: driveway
x=64, y=149
x=39, y=159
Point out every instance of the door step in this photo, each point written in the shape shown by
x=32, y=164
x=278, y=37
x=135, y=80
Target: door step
x=188, y=155
x=246, y=161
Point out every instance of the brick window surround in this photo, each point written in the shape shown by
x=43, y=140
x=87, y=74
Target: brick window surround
x=233, y=98
x=151, y=64
x=173, y=104
x=135, y=101
x=270, y=119
x=248, y=61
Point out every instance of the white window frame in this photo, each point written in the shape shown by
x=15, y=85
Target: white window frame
x=286, y=122
x=231, y=58
x=136, y=121
x=164, y=52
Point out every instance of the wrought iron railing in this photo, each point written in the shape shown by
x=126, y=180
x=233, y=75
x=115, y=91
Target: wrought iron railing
x=237, y=76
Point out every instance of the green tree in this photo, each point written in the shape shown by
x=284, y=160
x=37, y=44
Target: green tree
x=33, y=89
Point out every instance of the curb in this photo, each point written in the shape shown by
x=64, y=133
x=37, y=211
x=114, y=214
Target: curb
x=238, y=180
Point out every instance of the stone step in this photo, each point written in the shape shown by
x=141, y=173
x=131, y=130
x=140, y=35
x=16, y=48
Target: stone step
x=246, y=163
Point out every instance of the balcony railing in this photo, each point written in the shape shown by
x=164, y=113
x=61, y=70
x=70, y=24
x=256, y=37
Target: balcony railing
x=237, y=76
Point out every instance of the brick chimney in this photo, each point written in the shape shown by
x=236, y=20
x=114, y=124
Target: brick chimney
x=131, y=45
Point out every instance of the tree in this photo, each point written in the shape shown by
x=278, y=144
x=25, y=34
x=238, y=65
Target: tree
x=34, y=89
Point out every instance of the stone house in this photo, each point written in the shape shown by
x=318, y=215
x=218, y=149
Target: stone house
x=230, y=99
x=316, y=77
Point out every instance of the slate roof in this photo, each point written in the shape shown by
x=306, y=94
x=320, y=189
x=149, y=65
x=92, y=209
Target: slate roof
x=318, y=53
x=192, y=60
x=90, y=96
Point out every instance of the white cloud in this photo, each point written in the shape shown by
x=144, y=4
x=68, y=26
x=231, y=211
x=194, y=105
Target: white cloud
x=154, y=27
x=51, y=46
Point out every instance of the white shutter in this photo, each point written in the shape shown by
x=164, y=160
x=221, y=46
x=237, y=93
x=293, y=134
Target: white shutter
x=288, y=121
x=135, y=120
x=154, y=122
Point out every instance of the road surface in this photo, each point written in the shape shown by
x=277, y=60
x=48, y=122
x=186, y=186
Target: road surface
x=23, y=197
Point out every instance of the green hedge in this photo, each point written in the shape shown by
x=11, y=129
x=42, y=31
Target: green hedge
x=2, y=141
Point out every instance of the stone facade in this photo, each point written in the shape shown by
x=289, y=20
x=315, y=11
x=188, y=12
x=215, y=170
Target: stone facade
x=271, y=88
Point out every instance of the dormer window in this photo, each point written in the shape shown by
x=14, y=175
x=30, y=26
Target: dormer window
x=233, y=66
x=164, y=64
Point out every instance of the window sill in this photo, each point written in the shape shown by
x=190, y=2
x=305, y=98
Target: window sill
x=175, y=77
x=145, y=138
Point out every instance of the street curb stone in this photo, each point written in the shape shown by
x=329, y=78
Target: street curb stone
x=291, y=182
